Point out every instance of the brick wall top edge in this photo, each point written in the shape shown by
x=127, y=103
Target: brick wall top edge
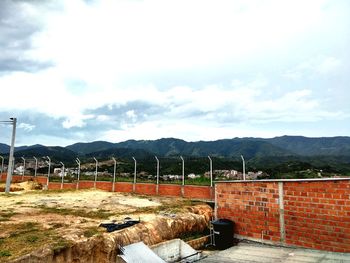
x=284, y=180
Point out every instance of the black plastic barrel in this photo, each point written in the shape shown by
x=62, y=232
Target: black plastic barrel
x=223, y=233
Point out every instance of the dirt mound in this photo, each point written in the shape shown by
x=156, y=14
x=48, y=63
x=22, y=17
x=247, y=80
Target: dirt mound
x=12, y=188
x=24, y=186
x=30, y=185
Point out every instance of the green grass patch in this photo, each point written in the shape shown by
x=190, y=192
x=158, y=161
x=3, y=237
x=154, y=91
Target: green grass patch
x=59, y=244
x=92, y=231
x=5, y=253
x=32, y=238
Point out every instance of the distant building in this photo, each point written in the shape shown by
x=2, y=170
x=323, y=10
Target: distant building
x=192, y=176
x=59, y=172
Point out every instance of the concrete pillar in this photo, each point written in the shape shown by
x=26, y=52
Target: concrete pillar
x=281, y=209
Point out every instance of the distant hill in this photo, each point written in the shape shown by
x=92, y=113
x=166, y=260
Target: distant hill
x=168, y=147
x=85, y=148
x=290, y=156
x=162, y=147
x=329, y=146
x=4, y=148
x=56, y=153
x=221, y=148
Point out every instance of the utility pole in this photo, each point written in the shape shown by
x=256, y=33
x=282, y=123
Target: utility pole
x=10, y=165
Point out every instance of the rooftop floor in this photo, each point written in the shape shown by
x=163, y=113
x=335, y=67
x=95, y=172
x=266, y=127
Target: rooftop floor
x=249, y=252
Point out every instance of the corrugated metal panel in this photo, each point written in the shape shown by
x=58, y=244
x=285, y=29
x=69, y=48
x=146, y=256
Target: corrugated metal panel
x=139, y=253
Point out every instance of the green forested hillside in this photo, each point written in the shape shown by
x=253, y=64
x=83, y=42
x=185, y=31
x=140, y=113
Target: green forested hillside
x=249, y=147
x=305, y=146
x=85, y=148
x=277, y=156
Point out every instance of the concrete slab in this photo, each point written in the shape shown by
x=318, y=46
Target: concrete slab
x=174, y=250
x=251, y=252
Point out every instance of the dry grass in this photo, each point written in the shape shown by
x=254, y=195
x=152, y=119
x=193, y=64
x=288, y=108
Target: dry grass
x=99, y=214
x=22, y=238
x=6, y=215
x=92, y=231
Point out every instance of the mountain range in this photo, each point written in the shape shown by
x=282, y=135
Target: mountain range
x=171, y=147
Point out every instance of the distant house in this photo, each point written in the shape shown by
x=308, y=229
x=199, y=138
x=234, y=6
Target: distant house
x=19, y=170
x=59, y=172
x=193, y=176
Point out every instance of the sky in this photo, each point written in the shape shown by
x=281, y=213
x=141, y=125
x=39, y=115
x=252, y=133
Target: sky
x=80, y=71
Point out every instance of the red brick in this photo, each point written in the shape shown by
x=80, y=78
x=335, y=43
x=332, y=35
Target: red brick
x=317, y=214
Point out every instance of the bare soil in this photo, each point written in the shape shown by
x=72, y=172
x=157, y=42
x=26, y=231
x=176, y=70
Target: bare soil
x=30, y=218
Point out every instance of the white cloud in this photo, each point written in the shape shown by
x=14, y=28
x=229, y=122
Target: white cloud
x=100, y=42
x=26, y=126
x=315, y=67
x=76, y=121
x=293, y=75
x=224, y=113
x=96, y=49
x=102, y=118
x=328, y=65
x=131, y=115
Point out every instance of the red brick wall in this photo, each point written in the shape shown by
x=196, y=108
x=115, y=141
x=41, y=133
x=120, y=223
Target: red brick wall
x=86, y=184
x=69, y=186
x=3, y=177
x=107, y=186
x=190, y=191
x=199, y=192
x=252, y=206
x=169, y=190
x=316, y=213
x=123, y=187
x=146, y=189
x=41, y=179
x=16, y=178
x=54, y=186
x=57, y=186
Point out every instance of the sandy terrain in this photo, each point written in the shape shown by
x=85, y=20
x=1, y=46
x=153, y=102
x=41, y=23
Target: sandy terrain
x=28, y=205
x=69, y=213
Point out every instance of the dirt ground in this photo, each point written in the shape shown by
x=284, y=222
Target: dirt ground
x=25, y=215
